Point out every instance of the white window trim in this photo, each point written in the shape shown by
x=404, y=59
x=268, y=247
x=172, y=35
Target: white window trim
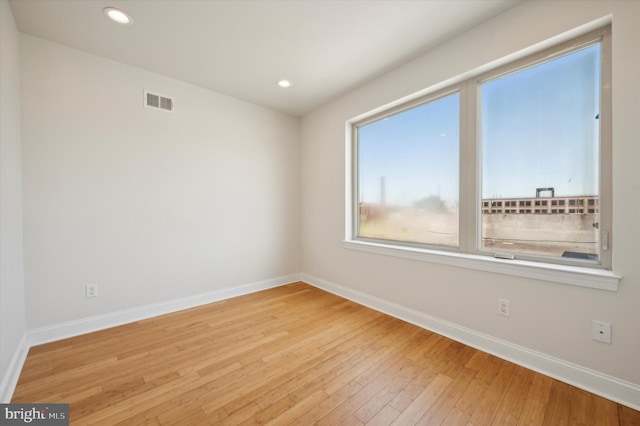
x=551, y=272
x=467, y=256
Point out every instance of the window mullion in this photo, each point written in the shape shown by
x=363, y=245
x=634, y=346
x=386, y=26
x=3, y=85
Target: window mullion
x=469, y=168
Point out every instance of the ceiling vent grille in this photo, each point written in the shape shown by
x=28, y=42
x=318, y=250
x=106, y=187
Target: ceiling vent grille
x=152, y=100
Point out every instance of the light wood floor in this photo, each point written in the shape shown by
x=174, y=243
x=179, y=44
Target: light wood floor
x=294, y=355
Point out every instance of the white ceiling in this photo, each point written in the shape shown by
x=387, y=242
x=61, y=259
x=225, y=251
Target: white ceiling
x=242, y=48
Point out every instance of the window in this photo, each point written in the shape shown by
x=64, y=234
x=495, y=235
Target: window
x=540, y=128
x=439, y=172
x=408, y=174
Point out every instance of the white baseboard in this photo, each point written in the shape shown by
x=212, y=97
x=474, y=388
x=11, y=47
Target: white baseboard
x=609, y=387
x=11, y=376
x=100, y=322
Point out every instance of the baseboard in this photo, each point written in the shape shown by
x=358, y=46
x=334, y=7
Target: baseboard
x=11, y=376
x=609, y=387
x=101, y=322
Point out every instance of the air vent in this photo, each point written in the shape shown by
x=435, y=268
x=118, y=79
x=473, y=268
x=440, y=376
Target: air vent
x=152, y=100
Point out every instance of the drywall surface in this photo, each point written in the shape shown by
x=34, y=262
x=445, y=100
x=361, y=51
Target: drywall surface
x=150, y=205
x=554, y=319
x=12, y=294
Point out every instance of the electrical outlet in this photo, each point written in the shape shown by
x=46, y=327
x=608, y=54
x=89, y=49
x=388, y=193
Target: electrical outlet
x=601, y=332
x=504, y=307
x=91, y=290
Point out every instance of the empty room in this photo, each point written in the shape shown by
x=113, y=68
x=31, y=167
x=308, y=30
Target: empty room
x=308, y=212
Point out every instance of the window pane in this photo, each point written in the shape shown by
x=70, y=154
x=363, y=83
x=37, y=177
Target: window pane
x=540, y=143
x=408, y=175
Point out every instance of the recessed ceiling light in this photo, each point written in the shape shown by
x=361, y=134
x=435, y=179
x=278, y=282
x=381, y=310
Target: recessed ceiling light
x=284, y=83
x=118, y=16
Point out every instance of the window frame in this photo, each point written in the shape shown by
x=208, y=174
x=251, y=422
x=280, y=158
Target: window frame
x=603, y=37
x=355, y=218
x=470, y=178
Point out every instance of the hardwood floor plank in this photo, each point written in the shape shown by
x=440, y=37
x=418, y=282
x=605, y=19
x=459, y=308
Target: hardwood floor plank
x=456, y=417
x=477, y=360
x=472, y=396
x=312, y=415
x=439, y=411
x=581, y=409
x=384, y=417
x=515, y=398
x=194, y=399
x=338, y=379
x=416, y=409
x=605, y=412
x=302, y=403
x=294, y=355
x=358, y=399
x=403, y=376
x=535, y=405
x=494, y=395
x=628, y=416
x=558, y=404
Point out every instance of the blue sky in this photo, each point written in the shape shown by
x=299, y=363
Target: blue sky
x=550, y=136
x=416, y=151
x=538, y=130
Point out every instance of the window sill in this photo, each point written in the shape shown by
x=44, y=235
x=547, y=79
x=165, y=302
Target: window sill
x=572, y=275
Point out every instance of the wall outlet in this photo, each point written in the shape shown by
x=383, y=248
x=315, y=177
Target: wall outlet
x=91, y=290
x=504, y=307
x=601, y=332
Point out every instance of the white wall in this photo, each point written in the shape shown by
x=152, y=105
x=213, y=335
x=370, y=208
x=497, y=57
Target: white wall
x=151, y=206
x=553, y=319
x=12, y=295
